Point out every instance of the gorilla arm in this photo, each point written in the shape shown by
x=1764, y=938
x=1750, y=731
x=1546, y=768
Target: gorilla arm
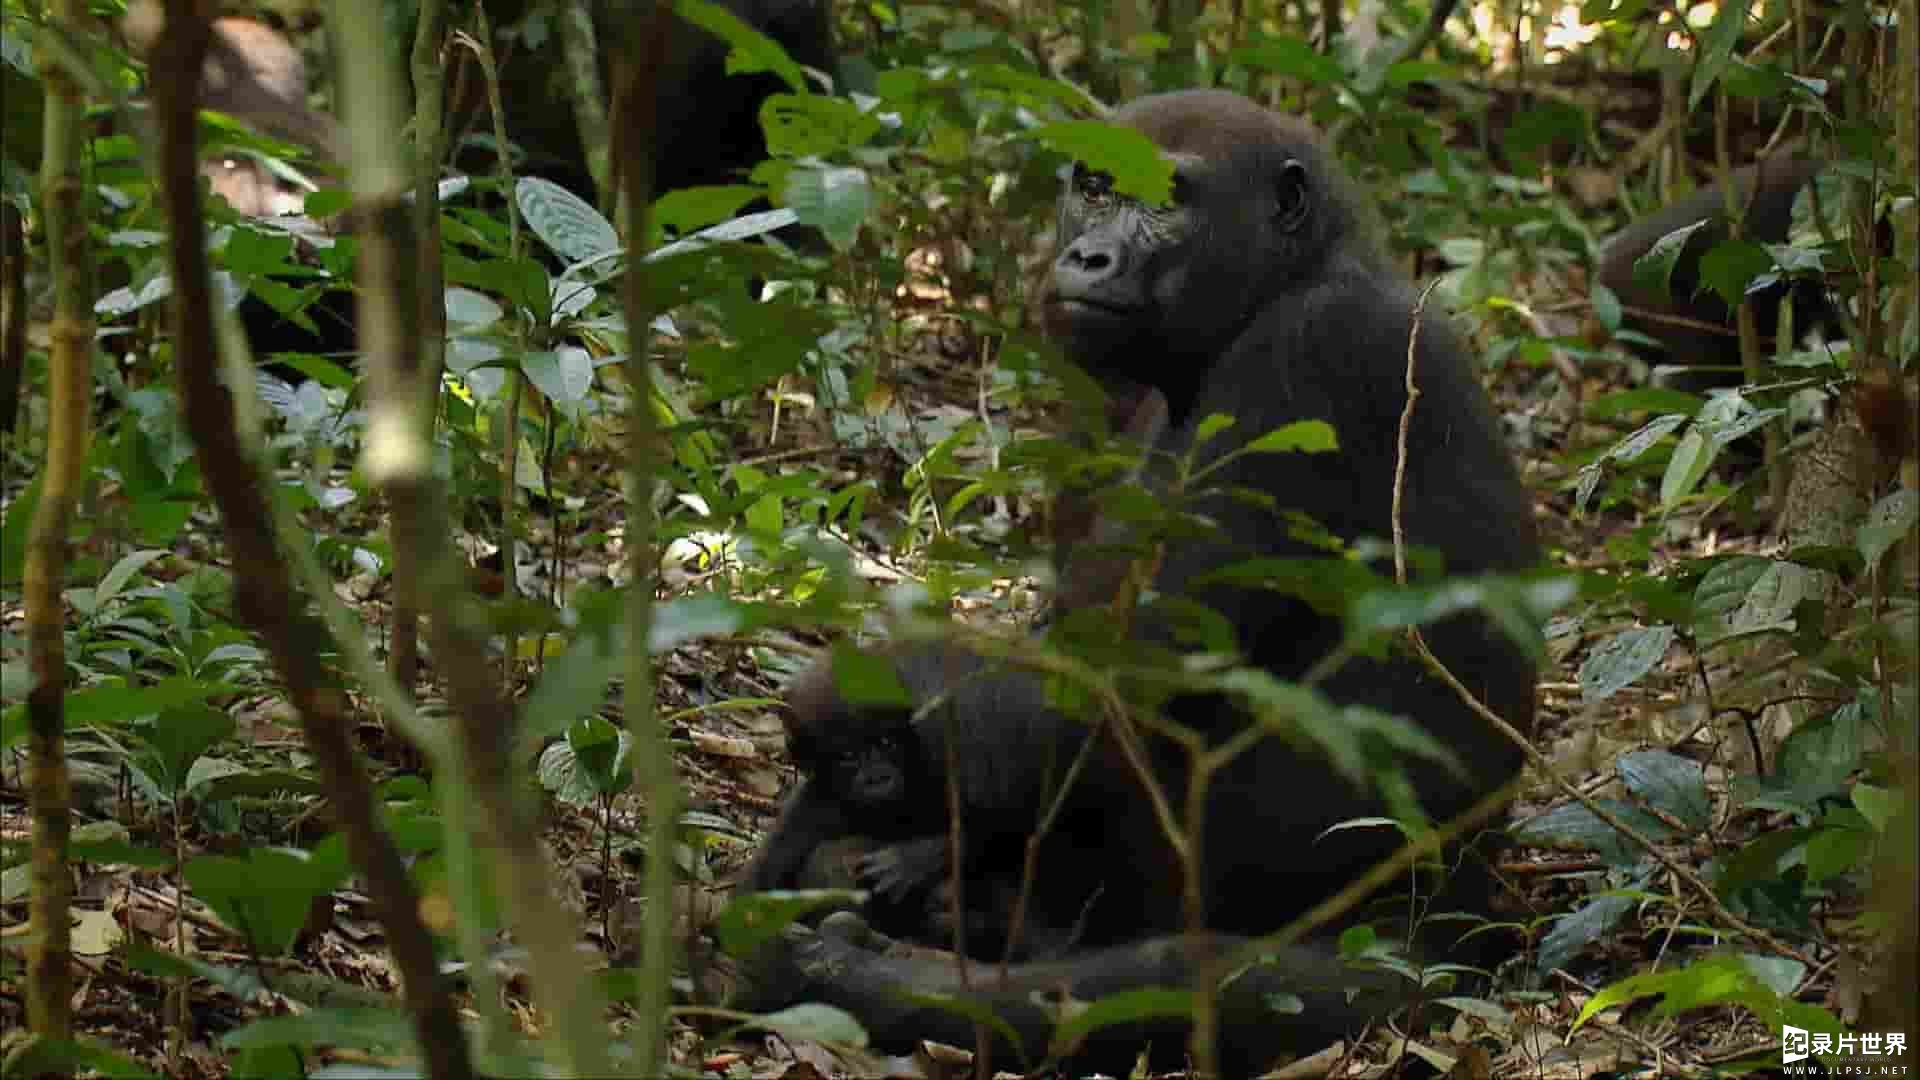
x=1301, y=1000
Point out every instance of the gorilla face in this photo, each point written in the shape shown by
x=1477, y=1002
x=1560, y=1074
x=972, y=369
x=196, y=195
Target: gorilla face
x=1257, y=212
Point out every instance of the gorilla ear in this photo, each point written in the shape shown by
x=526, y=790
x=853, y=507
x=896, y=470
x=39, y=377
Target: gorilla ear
x=1291, y=193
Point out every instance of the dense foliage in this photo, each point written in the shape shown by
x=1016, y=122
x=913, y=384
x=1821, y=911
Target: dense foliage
x=857, y=427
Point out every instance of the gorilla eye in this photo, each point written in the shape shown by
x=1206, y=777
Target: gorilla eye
x=1090, y=183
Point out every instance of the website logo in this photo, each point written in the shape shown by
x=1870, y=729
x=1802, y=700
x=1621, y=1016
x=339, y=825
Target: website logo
x=1869, y=1053
x=1793, y=1044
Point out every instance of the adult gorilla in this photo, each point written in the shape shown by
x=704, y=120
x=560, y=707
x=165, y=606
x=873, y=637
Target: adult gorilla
x=1257, y=293
x=1690, y=324
x=708, y=119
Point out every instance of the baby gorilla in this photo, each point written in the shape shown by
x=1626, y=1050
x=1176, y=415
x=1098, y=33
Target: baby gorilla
x=882, y=771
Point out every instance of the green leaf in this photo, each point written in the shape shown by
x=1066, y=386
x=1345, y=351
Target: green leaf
x=749, y=922
x=121, y=573
x=1835, y=851
x=1654, y=270
x=469, y=311
x=1654, y=399
x=694, y=208
x=813, y=1022
x=569, y=226
x=1125, y=1007
x=384, y=1031
x=1213, y=425
x=811, y=126
x=209, y=770
x=64, y=1057
x=704, y=615
x=1546, y=125
x=1575, y=827
x=1751, y=595
x=1518, y=606
x=1305, y=436
x=1621, y=660
x=1721, y=979
x=1588, y=923
x=177, y=739
x=1329, y=585
x=1138, y=168
x=523, y=282
x=1671, y=784
x=1641, y=441
x=834, y=200
x=748, y=50
x=600, y=751
x=1716, y=49
x=867, y=679
x=1731, y=266
x=563, y=376
x=1606, y=308
x=1691, y=459
x=1888, y=521
x=574, y=685
x=1291, y=56
x=120, y=704
x=265, y=894
x=589, y=763
x=1875, y=803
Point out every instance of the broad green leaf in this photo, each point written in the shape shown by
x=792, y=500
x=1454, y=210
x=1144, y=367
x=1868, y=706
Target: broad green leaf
x=122, y=572
x=1305, y=436
x=117, y=704
x=1671, y=784
x=1621, y=660
x=1606, y=308
x=1691, y=459
x=1125, y=1007
x=748, y=50
x=750, y=921
x=368, y=1029
x=811, y=126
x=690, y=209
x=1653, y=271
x=834, y=200
x=813, y=1022
x=573, y=685
x=1641, y=441
x=569, y=226
x=1137, y=166
x=1291, y=56
x=265, y=894
x=1889, y=520
x=1716, y=49
x=1731, y=266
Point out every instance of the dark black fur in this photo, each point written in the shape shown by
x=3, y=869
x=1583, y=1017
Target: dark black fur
x=882, y=772
x=708, y=121
x=1261, y=296
x=1706, y=357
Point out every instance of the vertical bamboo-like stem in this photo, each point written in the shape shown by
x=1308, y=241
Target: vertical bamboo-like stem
x=643, y=53
x=429, y=85
x=580, y=50
x=62, y=195
x=513, y=386
x=263, y=587
x=399, y=457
